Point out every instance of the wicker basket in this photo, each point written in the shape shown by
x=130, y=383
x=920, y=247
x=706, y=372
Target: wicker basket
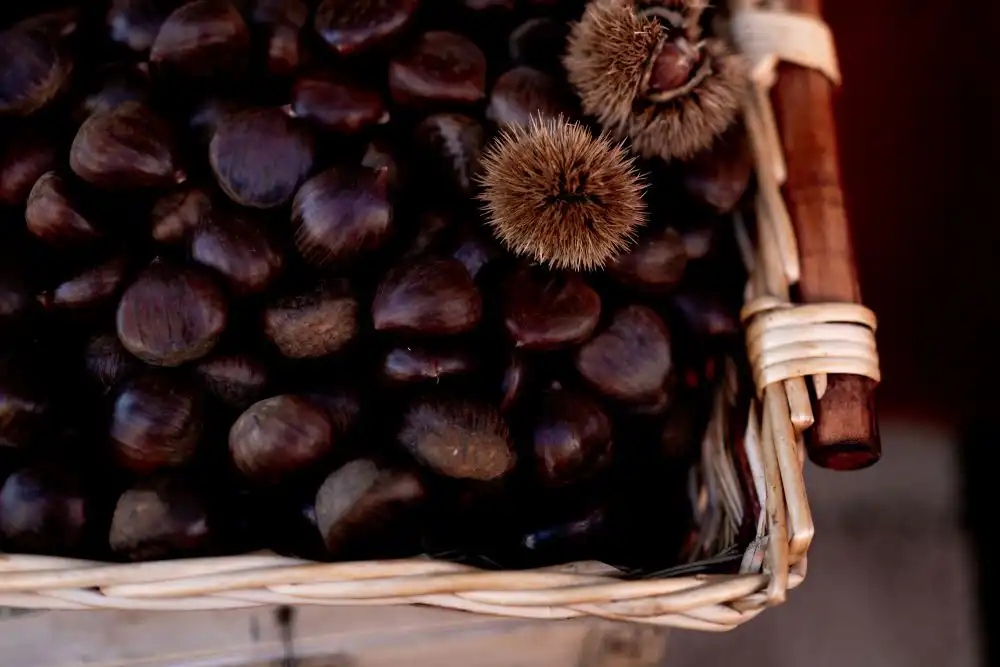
x=750, y=471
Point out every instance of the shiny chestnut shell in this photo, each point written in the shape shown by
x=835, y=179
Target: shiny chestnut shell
x=544, y=310
x=171, y=315
x=126, y=147
x=364, y=504
x=434, y=296
x=571, y=439
x=278, y=437
x=45, y=511
x=54, y=212
x=631, y=359
x=156, y=423
x=202, y=39
x=338, y=106
x=341, y=214
x=34, y=65
x=439, y=68
x=161, y=518
x=239, y=250
x=349, y=26
x=261, y=156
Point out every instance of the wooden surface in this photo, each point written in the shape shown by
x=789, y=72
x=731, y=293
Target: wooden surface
x=320, y=637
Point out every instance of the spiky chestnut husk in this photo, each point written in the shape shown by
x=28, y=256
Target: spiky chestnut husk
x=611, y=60
x=561, y=196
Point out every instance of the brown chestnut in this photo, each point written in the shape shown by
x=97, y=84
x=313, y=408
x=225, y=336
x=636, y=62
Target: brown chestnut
x=449, y=145
x=25, y=409
x=235, y=379
x=44, y=511
x=342, y=213
x=705, y=314
x=35, y=66
x=719, y=176
x=655, y=263
x=117, y=83
x=202, y=39
x=349, y=26
x=107, y=361
x=314, y=323
x=135, y=23
x=435, y=296
x=171, y=315
x=177, y=215
x=538, y=42
x=242, y=253
x=543, y=311
x=362, y=503
x=278, y=437
x=459, y=439
x=513, y=382
x=261, y=156
x=523, y=93
x=156, y=423
x=439, y=68
x=88, y=289
x=54, y=212
x=159, y=519
x=126, y=147
x=631, y=359
x=338, y=106
x=27, y=153
x=572, y=439
x=413, y=363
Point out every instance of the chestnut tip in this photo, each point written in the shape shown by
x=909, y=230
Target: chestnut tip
x=289, y=110
x=180, y=176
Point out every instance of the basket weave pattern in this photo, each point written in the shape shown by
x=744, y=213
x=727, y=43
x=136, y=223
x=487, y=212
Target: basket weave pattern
x=786, y=344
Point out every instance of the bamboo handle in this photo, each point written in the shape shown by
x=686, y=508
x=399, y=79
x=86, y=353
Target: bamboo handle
x=845, y=435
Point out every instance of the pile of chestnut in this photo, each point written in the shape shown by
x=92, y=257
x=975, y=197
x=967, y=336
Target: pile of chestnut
x=248, y=299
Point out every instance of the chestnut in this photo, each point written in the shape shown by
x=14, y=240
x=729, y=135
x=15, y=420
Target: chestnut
x=25, y=408
x=106, y=360
x=44, y=511
x=719, y=176
x=449, y=145
x=543, y=311
x=237, y=380
x=240, y=251
x=338, y=106
x=513, y=382
x=278, y=437
x=135, y=23
x=459, y=439
x=171, y=315
x=342, y=407
x=363, y=504
x=88, y=289
x=350, y=26
x=54, y=212
x=27, y=153
x=261, y=156
x=313, y=323
x=435, y=296
x=631, y=359
x=126, y=147
x=413, y=363
x=156, y=423
x=342, y=213
x=571, y=439
x=177, y=215
x=117, y=83
x=439, y=68
x=161, y=518
x=523, y=93
x=656, y=263
x=35, y=64
x=202, y=39
x=538, y=42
